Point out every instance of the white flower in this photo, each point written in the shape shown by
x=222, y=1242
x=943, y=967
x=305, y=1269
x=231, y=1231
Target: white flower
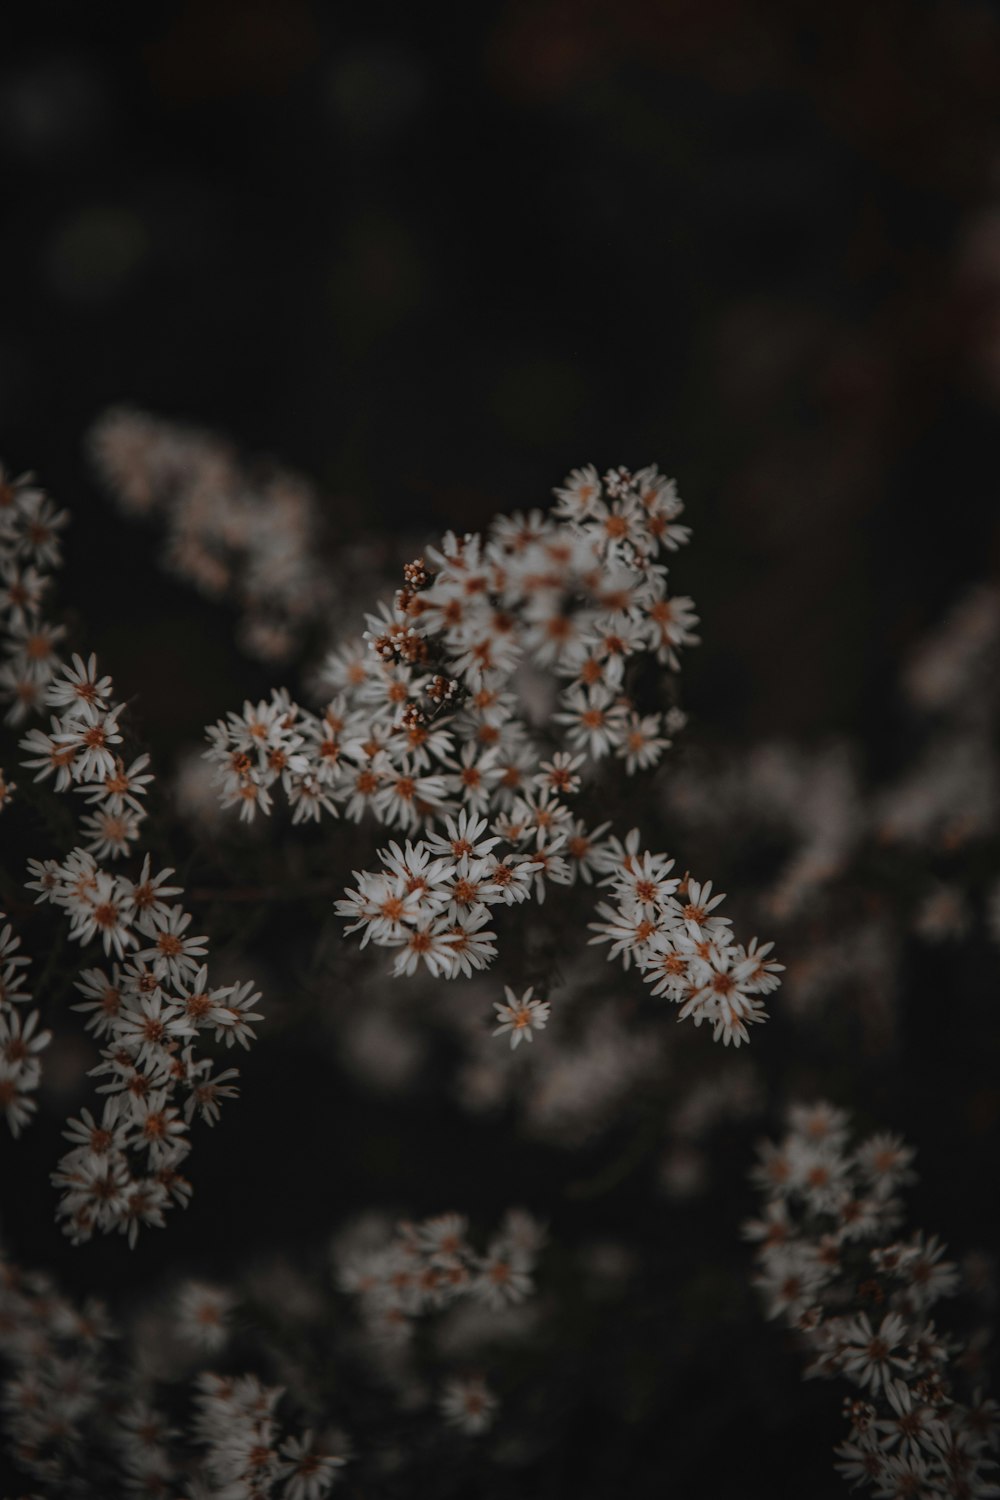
x=151, y=1025
x=869, y=1357
x=593, y=716
x=110, y=835
x=471, y=947
x=202, y=1313
x=174, y=954
x=50, y=755
x=78, y=687
x=105, y=910
x=149, y=899
x=444, y=1240
x=886, y=1162
x=629, y=929
x=206, y=1092
x=476, y=775
x=121, y=789
x=640, y=742
x=559, y=775
x=40, y=535
x=158, y=1128
x=468, y=1405
x=521, y=1016
x=465, y=836
x=429, y=943
x=670, y=623
x=90, y=730
x=21, y=591
x=307, y=1475
x=580, y=495
x=404, y=800
x=503, y=1277
x=233, y=1012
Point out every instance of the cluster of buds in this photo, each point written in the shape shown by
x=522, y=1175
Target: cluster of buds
x=415, y=578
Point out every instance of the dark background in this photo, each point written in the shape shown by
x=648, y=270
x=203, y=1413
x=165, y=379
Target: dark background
x=434, y=258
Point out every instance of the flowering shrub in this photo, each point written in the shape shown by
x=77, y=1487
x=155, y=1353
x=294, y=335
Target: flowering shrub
x=427, y=843
x=429, y=730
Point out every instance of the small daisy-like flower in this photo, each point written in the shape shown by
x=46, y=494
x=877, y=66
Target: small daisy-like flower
x=121, y=789
x=90, y=730
x=521, y=1016
x=559, y=775
x=876, y=1358
x=78, y=687
x=580, y=495
x=202, y=1313
x=885, y=1161
x=105, y=912
x=593, y=717
x=468, y=1405
x=234, y=1012
x=471, y=947
x=430, y=943
x=504, y=1276
x=640, y=743
x=149, y=899
x=21, y=591
x=465, y=836
x=50, y=756
x=41, y=523
x=307, y=1475
x=110, y=835
x=443, y=1239
x=20, y=1044
x=206, y=1093
x=149, y=1025
x=174, y=954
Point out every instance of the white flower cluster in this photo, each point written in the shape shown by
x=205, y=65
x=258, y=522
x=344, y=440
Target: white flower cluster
x=578, y=594
x=246, y=1456
x=55, y=1390
x=682, y=948
x=232, y=532
x=430, y=1265
x=80, y=750
x=29, y=553
x=157, y=1004
x=832, y=1264
x=20, y=1041
x=79, y=1427
x=431, y=900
